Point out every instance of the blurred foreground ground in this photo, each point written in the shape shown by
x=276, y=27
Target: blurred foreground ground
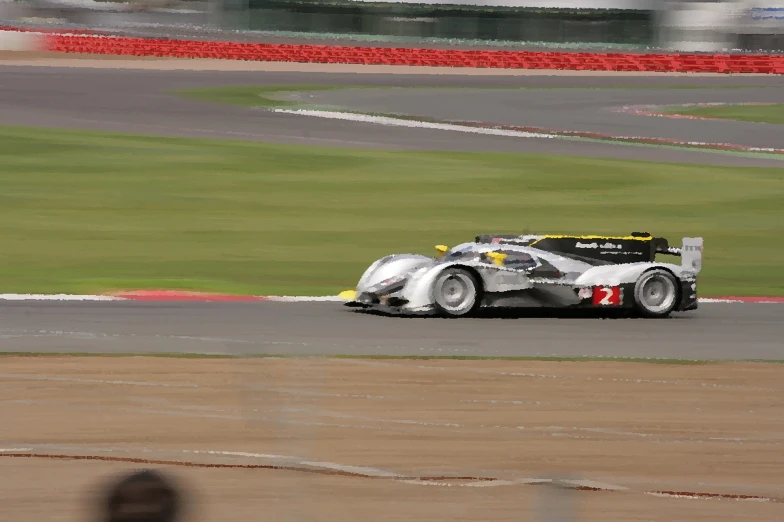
x=644, y=427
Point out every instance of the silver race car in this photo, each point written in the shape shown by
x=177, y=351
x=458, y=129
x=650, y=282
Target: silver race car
x=555, y=271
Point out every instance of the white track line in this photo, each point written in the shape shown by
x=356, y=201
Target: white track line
x=400, y=122
x=77, y=297
x=58, y=297
x=420, y=124
x=302, y=298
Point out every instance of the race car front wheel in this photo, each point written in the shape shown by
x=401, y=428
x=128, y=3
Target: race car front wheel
x=455, y=292
x=656, y=293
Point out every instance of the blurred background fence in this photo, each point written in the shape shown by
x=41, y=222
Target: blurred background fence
x=652, y=25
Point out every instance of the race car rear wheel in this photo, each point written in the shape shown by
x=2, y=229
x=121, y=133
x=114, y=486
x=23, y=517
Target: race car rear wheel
x=455, y=292
x=656, y=293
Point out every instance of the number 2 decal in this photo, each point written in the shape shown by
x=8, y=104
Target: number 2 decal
x=607, y=296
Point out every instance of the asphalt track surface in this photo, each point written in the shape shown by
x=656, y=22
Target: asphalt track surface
x=583, y=110
x=138, y=101
x=714, y=331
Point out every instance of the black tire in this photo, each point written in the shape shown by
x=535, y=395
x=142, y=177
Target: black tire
x=456, y=293
x=656, y=293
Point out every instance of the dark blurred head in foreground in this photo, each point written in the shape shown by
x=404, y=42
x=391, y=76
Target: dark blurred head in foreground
x=144, y=496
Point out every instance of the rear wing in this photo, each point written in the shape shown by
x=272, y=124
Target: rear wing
x=690, y=253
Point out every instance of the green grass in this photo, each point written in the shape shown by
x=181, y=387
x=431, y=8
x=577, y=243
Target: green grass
x=773, y=113
x=253, y=96
x=88, y=212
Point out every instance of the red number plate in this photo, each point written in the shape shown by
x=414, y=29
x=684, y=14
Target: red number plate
x=607, y=295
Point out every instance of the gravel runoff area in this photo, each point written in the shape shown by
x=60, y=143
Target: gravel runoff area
x=351, y=440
